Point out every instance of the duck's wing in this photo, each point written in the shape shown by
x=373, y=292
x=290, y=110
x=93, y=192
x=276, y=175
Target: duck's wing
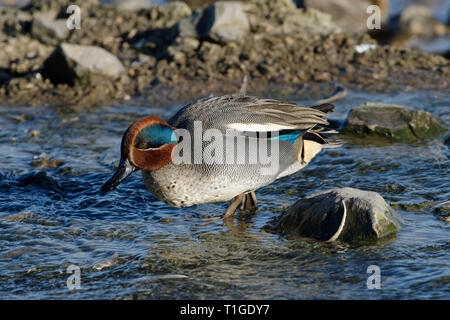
x=249, y=114
x=301, y=131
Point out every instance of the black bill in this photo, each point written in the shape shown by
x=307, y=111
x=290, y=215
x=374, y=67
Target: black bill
x=124, y=170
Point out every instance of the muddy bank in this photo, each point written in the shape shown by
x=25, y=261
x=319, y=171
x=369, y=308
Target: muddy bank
x=193, y=51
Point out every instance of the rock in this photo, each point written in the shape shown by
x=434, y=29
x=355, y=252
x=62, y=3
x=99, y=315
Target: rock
x=19, y=217
x=282, y=17
x=344, y=214
x=443, y=209
x=4, y=76
x=418, y=20
x=392, y=121
x=221, y=21
x=350, y=15
x=107, y=263
x=447, y=140
x=14, y=3
x=60, y=5
x=224, y=21
x=71, y=63
x=48, y=30
x=310, y=21
x=176, y=10
x=181, y=46
x=132, y=5
x=187, y=27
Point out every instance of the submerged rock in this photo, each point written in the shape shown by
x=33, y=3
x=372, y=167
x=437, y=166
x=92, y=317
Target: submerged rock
x=447, y=140
x=107, y=263
x=345, y=214
x=71, y=63
x=392, y=121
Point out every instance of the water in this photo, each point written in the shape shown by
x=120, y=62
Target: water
x=128, y=244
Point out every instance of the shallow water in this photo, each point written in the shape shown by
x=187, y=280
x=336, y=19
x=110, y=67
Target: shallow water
x=128, y=244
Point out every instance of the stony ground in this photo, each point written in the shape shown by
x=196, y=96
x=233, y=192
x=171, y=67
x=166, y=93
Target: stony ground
x=179, y=53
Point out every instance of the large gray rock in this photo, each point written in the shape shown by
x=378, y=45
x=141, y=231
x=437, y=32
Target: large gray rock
x=221, y=21
x=48, y=30
x=71, y=64
x=392, y=121
x=345, y=214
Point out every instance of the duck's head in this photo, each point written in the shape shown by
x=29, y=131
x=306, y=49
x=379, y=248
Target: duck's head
x=147, y=144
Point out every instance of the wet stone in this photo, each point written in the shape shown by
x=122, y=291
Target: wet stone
x=447, y=140
x=392, y=121
x=345, y=214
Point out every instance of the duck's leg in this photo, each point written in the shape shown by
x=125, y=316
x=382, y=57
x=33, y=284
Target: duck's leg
x=233, y=205
x=247, y=201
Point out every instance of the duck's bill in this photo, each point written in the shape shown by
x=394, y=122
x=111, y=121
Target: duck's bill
x=124, y=170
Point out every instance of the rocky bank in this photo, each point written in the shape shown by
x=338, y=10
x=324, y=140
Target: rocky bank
x=188, y=52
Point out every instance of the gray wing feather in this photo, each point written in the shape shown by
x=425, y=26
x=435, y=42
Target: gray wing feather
x=220, y=112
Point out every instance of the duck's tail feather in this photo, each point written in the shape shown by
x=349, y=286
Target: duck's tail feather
x=321, y=135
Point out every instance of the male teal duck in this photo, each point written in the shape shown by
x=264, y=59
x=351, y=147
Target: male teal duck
x=260, y=129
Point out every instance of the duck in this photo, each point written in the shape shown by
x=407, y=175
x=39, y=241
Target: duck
x=222, y=148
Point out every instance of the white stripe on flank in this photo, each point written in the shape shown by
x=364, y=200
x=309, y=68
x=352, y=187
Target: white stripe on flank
x=258, y=126
x=341, y=226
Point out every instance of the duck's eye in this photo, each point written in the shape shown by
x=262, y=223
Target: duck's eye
x=142, y=145
x=146, y=145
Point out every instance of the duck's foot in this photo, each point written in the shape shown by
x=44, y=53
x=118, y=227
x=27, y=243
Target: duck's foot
x=247, y=201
